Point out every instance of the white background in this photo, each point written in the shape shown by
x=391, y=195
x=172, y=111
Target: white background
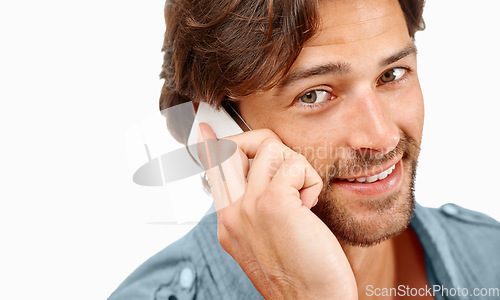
x=76, y=76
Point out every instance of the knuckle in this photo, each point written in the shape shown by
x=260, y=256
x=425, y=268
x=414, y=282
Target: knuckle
x=296, y=161
x=270, y=142
x=303, y=157
x=316, y=174
x=270, y=146
x=300, y=158
x=270, y=134
x=320, y=181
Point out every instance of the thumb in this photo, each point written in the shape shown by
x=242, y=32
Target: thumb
x=207, y=152
x=207, y=141
x=223, y=165
x=207, y=132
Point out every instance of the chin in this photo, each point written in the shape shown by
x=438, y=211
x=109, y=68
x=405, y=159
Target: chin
x=368, y=221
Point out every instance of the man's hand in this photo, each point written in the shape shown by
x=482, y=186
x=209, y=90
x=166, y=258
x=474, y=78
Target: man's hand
x=266, y=225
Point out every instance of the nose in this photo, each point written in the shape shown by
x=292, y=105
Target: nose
x=370, y=125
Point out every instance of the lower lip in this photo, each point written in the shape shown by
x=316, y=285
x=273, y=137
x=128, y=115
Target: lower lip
x=377, y=188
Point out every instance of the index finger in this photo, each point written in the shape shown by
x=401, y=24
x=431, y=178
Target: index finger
x=249, y=142
x=227, y=172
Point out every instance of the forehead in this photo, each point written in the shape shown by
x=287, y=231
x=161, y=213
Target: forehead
x=355, y=29
x=347, y=21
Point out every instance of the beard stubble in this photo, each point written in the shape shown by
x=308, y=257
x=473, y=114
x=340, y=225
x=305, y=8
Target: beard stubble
x=385, y=217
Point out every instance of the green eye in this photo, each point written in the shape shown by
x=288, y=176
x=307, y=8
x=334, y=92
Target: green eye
x=315, y=97
x=310, y=97
x=393, y=74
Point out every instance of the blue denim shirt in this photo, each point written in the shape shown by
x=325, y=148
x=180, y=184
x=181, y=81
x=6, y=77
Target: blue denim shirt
x=462, y=250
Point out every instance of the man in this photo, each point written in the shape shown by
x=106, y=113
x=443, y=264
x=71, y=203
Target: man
x=326, y=210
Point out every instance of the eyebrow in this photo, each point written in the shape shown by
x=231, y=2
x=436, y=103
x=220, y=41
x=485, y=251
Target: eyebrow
x=340, y=68
x=329, y=68
x=408, y=50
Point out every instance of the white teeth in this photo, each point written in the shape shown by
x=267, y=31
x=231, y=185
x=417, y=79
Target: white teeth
x=376, y=177
x=383, y=175
x=372, y=178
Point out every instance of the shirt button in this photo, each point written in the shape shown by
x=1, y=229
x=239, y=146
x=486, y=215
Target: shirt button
x=450, y=209
x=186, y=278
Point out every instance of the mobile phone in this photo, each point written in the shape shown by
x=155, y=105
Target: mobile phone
x=221, y=121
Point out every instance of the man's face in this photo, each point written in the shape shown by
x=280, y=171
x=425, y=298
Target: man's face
x=352, y=104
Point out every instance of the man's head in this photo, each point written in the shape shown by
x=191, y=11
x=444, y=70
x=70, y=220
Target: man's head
x=335, y=80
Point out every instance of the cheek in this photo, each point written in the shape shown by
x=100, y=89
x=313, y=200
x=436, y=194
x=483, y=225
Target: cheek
x=318, y=145
x=408, y=113
x=312, y=137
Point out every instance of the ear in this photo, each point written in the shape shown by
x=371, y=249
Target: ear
x=195, y=105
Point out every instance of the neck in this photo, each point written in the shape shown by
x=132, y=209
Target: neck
x=396, y=261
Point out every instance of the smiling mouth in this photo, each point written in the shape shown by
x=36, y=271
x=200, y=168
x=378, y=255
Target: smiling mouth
x=373, y=185
x=370, y=179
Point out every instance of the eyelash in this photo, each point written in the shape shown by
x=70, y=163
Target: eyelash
x=321, y=104
x=399, y=81
x=313, y=105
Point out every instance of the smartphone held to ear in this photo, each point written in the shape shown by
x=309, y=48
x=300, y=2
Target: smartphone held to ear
x=220, y=120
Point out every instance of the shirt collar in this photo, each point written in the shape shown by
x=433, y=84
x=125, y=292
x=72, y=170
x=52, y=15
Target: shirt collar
x=440, y=267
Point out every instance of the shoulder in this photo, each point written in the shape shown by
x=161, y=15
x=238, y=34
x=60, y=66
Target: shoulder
x=466, y=224
x=168, y=274
x=472, y=233
x=466, y=241
x=193, y=267
x=468, y=230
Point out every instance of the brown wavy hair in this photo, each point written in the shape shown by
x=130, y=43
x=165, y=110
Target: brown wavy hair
x=216, y=50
